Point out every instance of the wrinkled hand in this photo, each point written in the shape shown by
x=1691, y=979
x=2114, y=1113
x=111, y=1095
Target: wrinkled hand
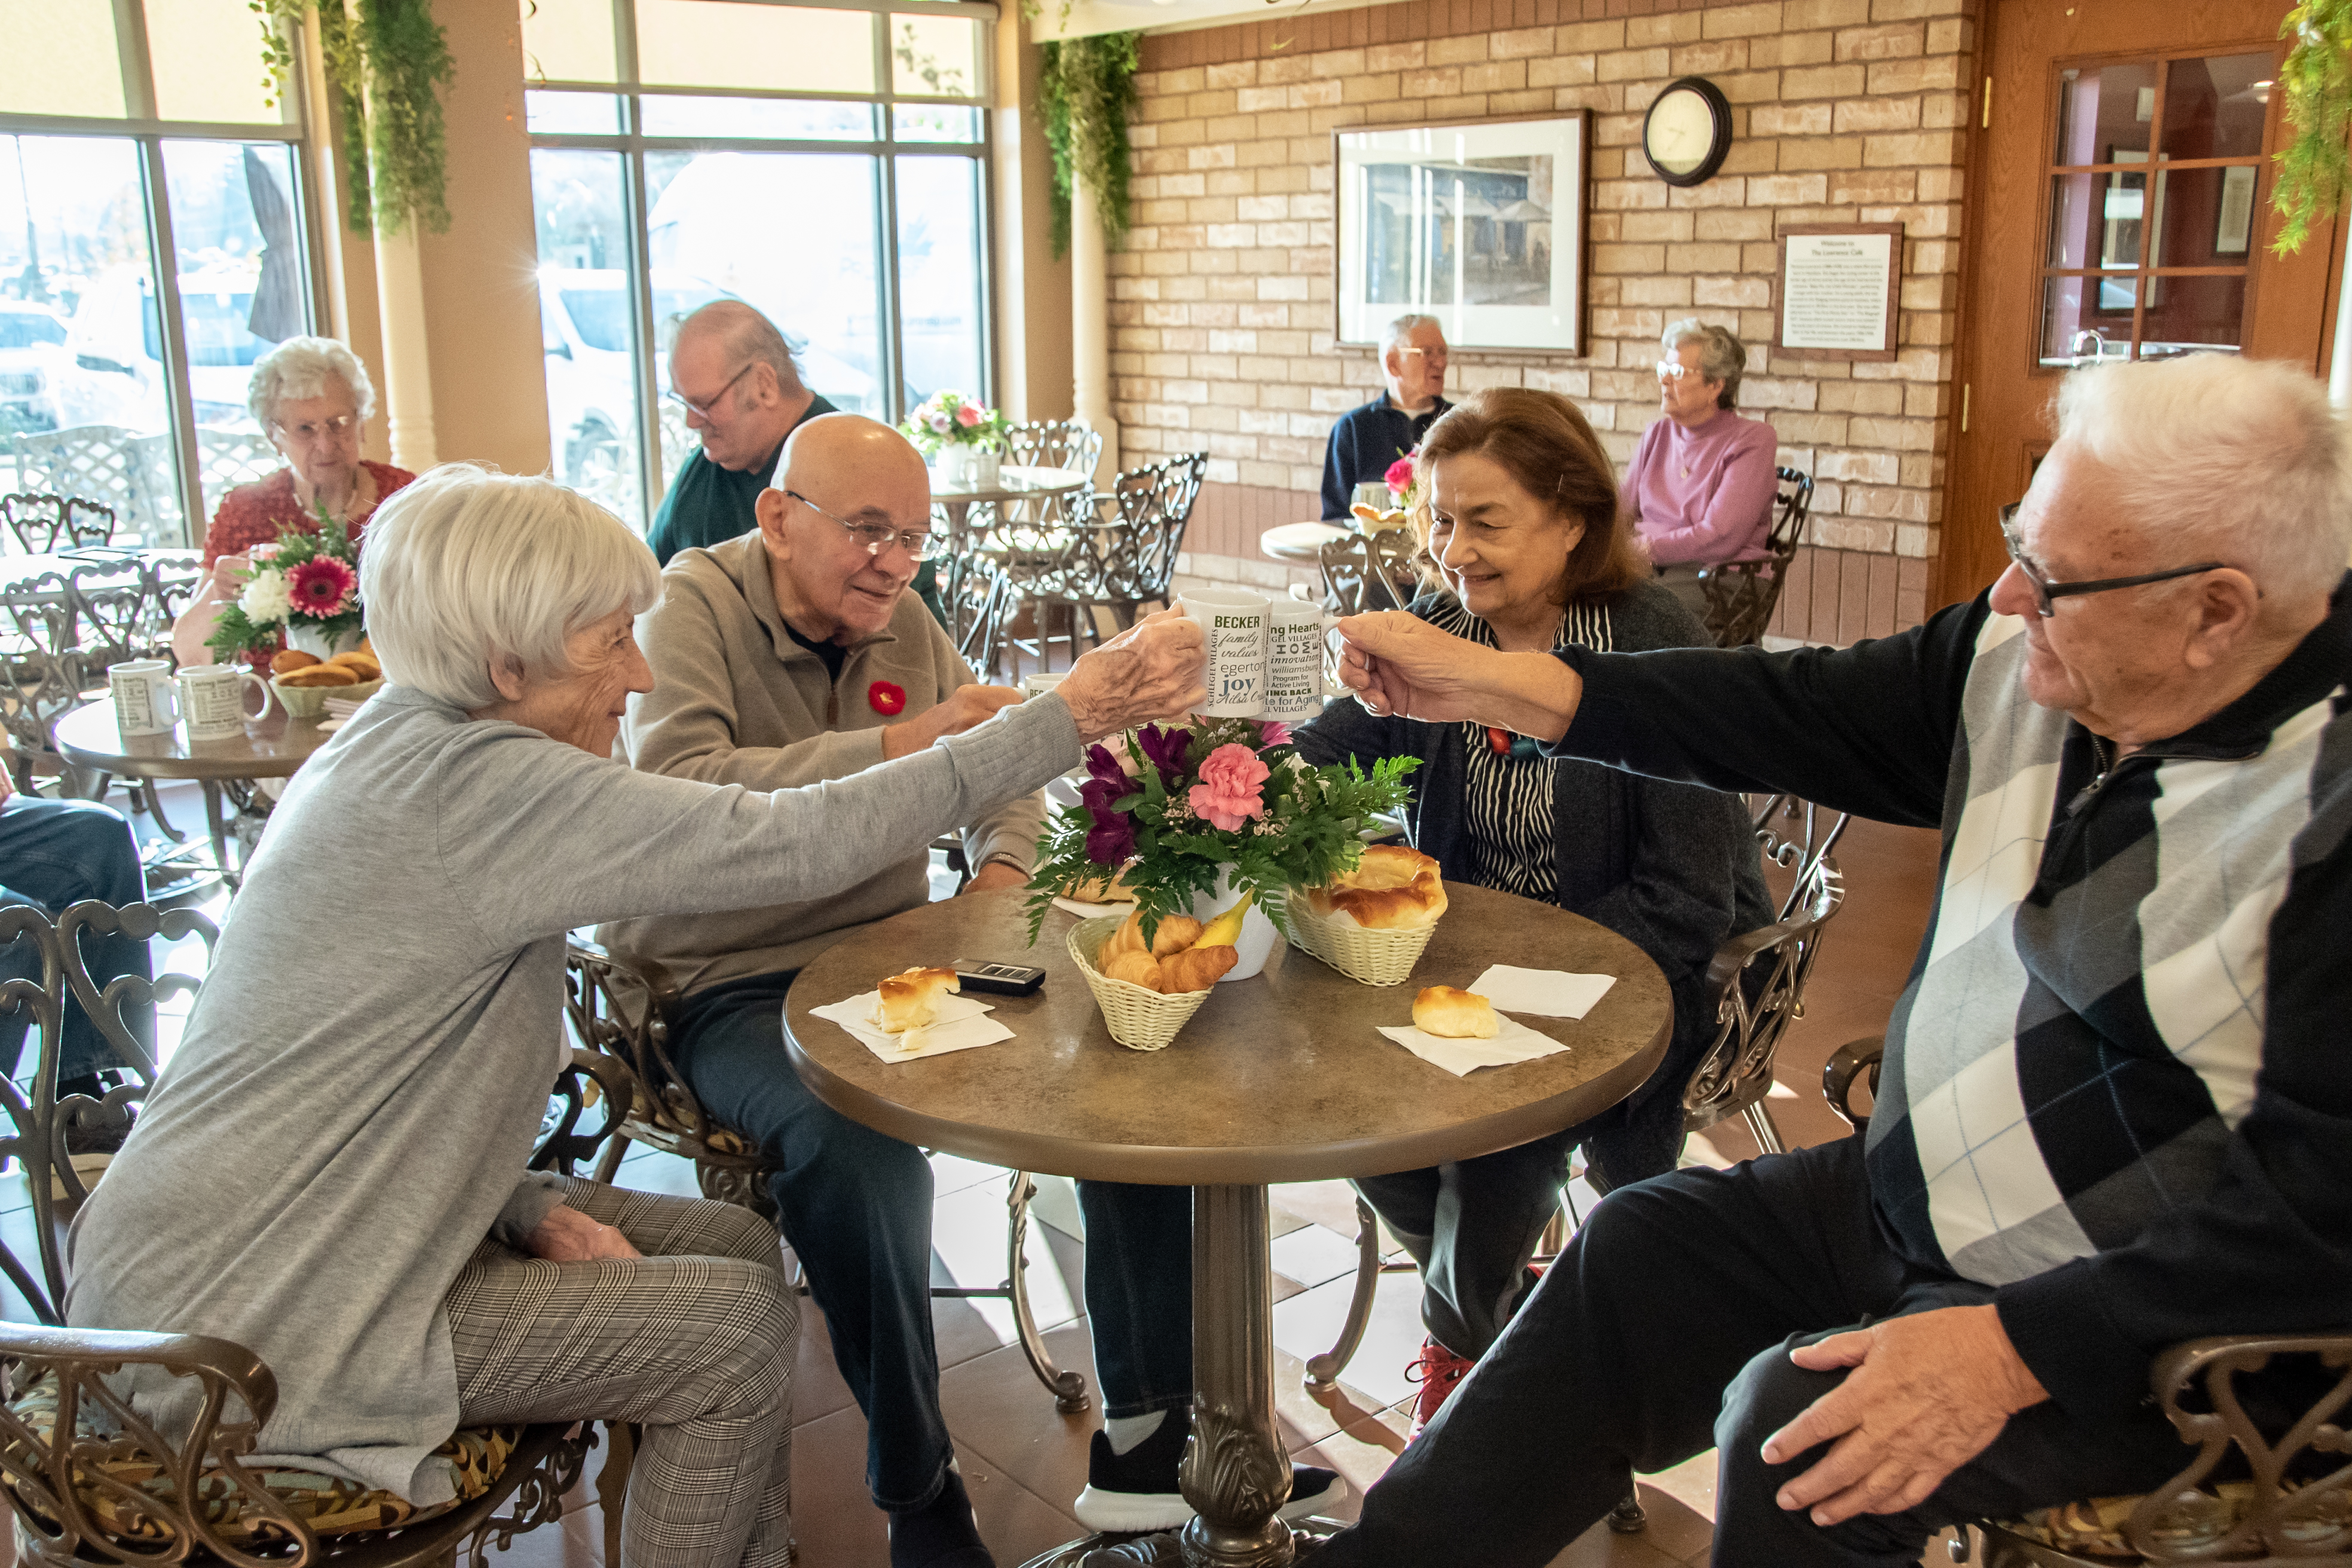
x=1399, y=664
x=1151, y=672
x=968, y=706
x=567, y=1235
x=228, y=577
x=994, y=875
x=1929, y=1392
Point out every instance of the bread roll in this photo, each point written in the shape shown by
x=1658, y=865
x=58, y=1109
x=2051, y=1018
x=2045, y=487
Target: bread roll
x=1452, y=1014
x=910, y=1000
x=1196, y=968
x=321, y=675
x=360, y=664
x=1135, y=967
x=1176, y=933
x=1127, y=938
x=292, y=659
x=1392, y=888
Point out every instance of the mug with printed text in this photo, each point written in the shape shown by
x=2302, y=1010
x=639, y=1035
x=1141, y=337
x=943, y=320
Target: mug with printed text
x=1233, y=623
x=212, y=700
x=145, y=701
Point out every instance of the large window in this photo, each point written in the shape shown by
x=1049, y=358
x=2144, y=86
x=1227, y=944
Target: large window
x=825, y=165
x=152, y=245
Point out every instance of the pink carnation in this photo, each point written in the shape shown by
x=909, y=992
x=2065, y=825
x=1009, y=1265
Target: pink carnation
x=1399, y=478
x=322, y=587
x=1227, y=794
x=967, y=415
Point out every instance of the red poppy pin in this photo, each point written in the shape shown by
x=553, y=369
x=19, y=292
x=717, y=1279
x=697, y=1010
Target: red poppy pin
x=886, y=699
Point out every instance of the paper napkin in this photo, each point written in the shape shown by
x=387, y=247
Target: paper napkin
x=963, y=1024
x=1546, y=992
x=1088, y=912
x=1514, y=1042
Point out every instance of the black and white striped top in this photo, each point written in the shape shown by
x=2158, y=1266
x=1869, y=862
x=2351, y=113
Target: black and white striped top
x=1511, y=811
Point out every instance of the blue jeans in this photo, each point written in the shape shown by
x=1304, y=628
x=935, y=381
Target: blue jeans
x=58, y=852
x=1138, y=1290
x=857, y=1209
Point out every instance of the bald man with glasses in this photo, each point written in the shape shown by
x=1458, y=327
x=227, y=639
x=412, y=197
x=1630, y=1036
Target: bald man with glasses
x=793, y=655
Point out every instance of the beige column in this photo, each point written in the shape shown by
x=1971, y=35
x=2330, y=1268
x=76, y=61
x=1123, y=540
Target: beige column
x=1090, y=321
x=407, y=353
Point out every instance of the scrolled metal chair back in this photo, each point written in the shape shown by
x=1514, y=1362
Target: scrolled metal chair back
x=117, y=614
x=1369, y=571
x=42, y=670
x=1154, y=503
x=45, y=525
x=1055, y=444
x=1741, y=594
x=31, y=1115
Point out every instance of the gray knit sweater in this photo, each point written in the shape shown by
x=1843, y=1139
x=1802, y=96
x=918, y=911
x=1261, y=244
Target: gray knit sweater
x=352, y=1105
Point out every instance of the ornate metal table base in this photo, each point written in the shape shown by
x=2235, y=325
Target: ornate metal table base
x=1236, y=1473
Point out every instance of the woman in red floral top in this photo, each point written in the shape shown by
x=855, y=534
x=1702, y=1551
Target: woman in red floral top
x=312, y=397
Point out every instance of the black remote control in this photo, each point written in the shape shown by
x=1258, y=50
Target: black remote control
x=999, y=979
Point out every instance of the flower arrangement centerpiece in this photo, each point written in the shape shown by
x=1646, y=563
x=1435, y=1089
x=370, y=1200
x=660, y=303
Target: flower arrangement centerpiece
x=961, y=438
x=1402, y=493
x=1400, y=480
x=1226, y=806
x=301, y=587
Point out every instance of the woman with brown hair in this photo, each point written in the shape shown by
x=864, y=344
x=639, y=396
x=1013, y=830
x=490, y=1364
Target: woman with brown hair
x=1522, y=534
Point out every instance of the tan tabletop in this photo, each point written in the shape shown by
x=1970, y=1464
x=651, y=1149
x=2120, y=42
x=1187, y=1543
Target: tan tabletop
x=269, y=748
x=1300, y=543
x=1276, y=1079
x=1012, y=484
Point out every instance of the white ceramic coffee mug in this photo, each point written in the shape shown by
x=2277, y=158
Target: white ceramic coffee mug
x=212, y=700
x=1038, y=682
x=1233, y=623
x=1293, y=659
x=144, y=701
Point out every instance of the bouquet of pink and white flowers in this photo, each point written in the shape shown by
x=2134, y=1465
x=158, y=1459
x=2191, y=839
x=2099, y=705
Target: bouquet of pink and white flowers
x=305, y=581
x=951, y=419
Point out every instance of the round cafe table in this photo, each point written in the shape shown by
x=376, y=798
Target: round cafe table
x=1300, y=543
x=1276, y=1079
x=953, y=500
x=270, y=747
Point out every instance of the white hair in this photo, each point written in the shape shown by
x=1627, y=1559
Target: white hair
x=1721, y=356
x=299, y=367
x=470, y=569
x=2239, y=459
x=1402, y=329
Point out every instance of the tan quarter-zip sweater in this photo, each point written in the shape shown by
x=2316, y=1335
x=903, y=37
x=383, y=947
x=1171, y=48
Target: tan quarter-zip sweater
x=737, y=700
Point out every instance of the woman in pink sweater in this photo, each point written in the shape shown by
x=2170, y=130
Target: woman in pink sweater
x=1701, y=487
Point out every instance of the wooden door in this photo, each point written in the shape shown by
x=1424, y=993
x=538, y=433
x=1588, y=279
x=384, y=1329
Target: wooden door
x=2119, y=206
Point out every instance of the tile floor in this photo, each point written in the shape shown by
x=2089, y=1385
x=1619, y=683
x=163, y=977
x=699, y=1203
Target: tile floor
x=1023, y=1463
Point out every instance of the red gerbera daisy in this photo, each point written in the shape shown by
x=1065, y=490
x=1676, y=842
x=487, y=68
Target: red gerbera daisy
x=322, y=587
x=887, y=700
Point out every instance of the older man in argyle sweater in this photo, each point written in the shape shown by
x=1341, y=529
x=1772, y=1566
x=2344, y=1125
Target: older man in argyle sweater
x=2115, y=1110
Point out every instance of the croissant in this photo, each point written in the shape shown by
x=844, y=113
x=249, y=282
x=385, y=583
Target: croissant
x=1127, y=938
x=290, y=660
x=321, y=675
x=1137, y=968
x=363, y=665
x=1176, y=933
x=1391, y=887
x=1196, y=968
x=911, y=1000
x=1453, y=1013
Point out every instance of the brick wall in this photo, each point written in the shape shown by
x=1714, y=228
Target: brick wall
x=1845, y=110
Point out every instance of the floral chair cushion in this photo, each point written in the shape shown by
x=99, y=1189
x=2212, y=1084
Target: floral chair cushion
x=327, y=1504
x=2197, y=1520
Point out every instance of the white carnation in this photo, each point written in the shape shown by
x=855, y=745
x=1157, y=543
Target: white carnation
x=266, y=598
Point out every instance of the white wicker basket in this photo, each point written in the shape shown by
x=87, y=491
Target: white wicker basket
x=1139, y=1019
x=1367, y=957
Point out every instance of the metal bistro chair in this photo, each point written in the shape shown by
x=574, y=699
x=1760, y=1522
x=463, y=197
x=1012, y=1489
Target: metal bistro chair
x=1755, y=987
x=88, y=1479
x=1033, y=540
x=619, y=1010
x=1740, y=595
x=45, y=525
x=1126, y=555
x=2293, y=1499
x=1369, y=572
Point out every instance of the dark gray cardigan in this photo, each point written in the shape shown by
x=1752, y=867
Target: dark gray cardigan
x=1671, y=867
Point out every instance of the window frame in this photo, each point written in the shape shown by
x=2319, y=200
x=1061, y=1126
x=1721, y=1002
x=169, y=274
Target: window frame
x=885, y=148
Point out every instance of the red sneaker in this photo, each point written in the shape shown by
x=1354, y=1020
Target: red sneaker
x=1437, y=1371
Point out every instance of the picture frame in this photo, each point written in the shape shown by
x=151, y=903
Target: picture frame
x=1481, y=224
x=2234, y=229
x=2132, y=216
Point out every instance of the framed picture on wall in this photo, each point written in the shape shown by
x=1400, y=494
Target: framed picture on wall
x=1480, y=225
x=2234, y=231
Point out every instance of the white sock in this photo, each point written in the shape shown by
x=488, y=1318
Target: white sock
x=1126, y=1431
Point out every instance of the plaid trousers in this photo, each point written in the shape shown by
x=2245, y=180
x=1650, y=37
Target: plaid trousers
x=695, y=1341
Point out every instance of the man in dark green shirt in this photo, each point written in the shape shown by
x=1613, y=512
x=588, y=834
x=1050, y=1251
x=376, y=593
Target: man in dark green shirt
x=742, y=392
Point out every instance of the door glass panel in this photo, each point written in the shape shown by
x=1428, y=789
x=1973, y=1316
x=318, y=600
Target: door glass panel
x=2185, y=315
x=2085, y=318
x=766, y=119
x=586, y=311
x=2214, y=107
x=92, y=412
x=2208, y=216
x=938, y=278
x=2078, y=220
x=741, y=224
x=243, y=290
x=60, y=58
x=725, y=43
x=567, y=40
x=572, y=113
x=2105, y=110
x=208, y=62
x=935, y=56
x=935, y=122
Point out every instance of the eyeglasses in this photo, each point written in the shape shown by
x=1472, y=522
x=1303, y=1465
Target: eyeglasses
x=2045, y=591
x=1672, y=370
x=1435, y=356
x=918, y=545
x=704, y=408
x=310, y=432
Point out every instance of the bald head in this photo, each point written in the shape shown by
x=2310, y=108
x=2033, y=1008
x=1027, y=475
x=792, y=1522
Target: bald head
x=841, y=474
x=742, y=388
x=839, y=452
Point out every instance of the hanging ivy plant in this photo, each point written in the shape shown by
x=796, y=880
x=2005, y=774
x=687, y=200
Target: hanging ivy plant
x=386, y=61
x=2318, y=81
x=1085, y=96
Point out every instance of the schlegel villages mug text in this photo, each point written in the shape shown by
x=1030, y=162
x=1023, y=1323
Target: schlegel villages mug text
x=212, y=700
x=1233, y=625
x=145, y=701
x=1293, y=659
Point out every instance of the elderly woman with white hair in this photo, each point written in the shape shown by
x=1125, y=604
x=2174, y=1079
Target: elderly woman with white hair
x=330, y=1171
x=1700, y=488
x=311, y=397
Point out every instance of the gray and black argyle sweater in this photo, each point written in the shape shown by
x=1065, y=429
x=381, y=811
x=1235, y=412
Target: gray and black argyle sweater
x=2118, y=1087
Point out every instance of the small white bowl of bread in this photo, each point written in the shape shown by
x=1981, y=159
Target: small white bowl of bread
x=303, y=681
x=1149, y=991
x=1372, y=923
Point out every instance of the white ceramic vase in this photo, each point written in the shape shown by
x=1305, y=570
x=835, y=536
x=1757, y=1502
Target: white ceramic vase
x=312, y=641
x=953, y=463
x=1255, y=944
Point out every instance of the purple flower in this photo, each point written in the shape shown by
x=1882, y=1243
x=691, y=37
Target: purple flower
x=1166, y=750
x=1111, y=839
x=1103, y=767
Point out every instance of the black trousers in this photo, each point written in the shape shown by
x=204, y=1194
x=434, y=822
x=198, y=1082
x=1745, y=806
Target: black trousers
x=1664, y=1330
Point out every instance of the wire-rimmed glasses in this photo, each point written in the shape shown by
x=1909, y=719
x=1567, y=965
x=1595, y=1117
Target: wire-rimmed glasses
x=702, y=409
x=920, y=544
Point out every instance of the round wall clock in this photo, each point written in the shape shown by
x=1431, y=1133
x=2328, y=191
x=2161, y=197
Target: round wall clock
x=1687, y=131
